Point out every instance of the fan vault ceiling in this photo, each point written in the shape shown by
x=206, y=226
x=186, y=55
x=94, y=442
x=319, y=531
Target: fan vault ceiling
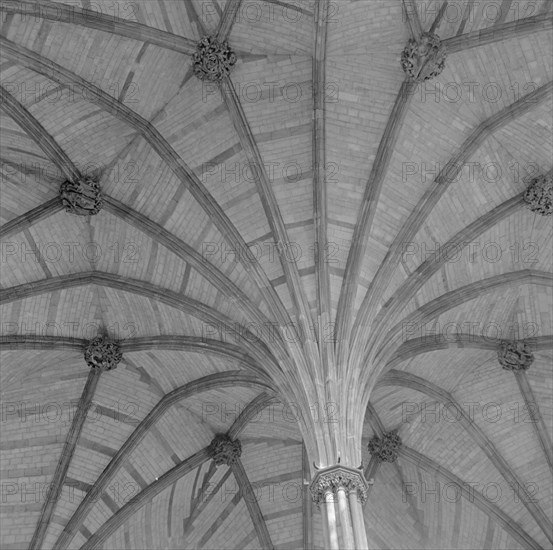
x=316, y=251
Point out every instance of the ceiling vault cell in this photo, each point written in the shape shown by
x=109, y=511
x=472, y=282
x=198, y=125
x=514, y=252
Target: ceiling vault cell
x=186, y=253
x=143, y=33
x=41, y=212
x=445, y=476
x=212, y=381
x=535, y=416
x=344, y=315
x=474, y=497
x=497, y=33
x=227, y=20
x=65, y=459
x=93, y=19
x=439, y=17
x=376, y=425
x=417, y=346
x=254, y=407
x=171, y=477
x=202, y=500
x=274, y=217
x=306, y=354
x=405, y=293
x=195, y=344
x=411, y=381
x=413, y=18
x=425, y=206
x=40, y=136
x=258, y=520
x=144, y=497
x=160, y=235
x=225, y=449
x=452, y=299
x=516, y=356
x=101, y=355
x=188, y=178
x=173, y=299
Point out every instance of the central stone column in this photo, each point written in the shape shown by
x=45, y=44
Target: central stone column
x=340, y=492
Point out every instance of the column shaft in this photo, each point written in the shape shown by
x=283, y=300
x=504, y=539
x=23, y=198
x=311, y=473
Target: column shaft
x=326, y=534
x=331, y=521
x=345, y=519
x=359, y=533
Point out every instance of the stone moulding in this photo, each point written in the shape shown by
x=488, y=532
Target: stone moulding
x=539, y=195
x=514, y=355
x=385, y=448
x=213, y=60
x=102, y=354
x=336, y=477
x=224, y=450
x=82, y=197
x=424, y=59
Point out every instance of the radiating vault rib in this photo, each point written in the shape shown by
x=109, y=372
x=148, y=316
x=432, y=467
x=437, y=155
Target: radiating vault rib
x=254, y=408
x=413, y=18
x=320, y=193
x=41, y=212
x=92, y=19
x=65, y=459
x=259, y=523
x=227, y=19
x=497, y=33
x=535, y=416
x=38, y=134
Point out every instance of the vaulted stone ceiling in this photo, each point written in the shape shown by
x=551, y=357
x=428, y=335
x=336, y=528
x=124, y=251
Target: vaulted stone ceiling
x=342, y=177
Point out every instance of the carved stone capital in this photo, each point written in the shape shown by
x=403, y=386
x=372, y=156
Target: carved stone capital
x=539, y=195
x=102, y=354
x=82, y=197
x=424, y=59
x=213, y=60
x=337, y=477
x=514, y=355
x=385, y=448
x=224, y=450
